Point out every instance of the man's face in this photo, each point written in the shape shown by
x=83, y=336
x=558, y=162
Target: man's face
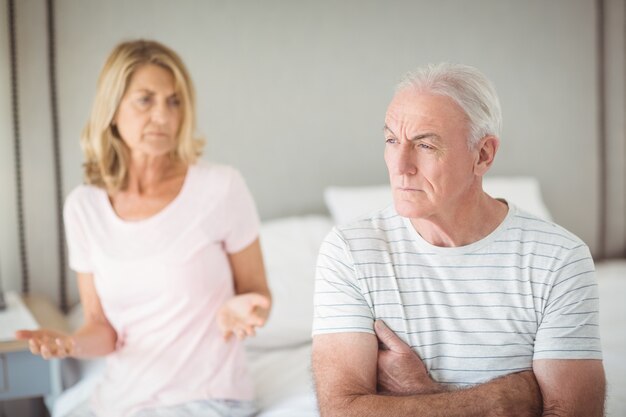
x=430, y=165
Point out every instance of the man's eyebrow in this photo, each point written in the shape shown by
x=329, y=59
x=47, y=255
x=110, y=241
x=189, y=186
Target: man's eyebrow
x=428, y=135
x=386, y=129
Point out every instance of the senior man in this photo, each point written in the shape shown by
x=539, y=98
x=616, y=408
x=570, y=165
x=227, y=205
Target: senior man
x=450, y=302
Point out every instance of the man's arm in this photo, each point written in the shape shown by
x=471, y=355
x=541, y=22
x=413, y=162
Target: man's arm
x=571, y=387
x=345, y=371
x=567, y=362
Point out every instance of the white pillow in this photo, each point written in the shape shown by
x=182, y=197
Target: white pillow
x=524, y=192
x=346, y=204
x=350, y=203
x=290, y=248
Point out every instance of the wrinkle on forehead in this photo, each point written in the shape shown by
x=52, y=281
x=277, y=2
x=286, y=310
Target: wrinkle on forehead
x=428, y=107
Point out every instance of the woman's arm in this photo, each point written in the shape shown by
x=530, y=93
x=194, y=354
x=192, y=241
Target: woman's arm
x=249, y=271
x=96, y=337
x=251, y=305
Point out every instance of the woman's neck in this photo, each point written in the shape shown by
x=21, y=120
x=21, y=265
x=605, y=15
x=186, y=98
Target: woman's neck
x=146, y=174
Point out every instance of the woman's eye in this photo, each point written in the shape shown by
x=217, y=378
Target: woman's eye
x=144, y=100
x=174, y=102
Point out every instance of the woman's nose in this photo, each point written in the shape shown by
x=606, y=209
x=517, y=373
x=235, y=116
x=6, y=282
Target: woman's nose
x=160, y=113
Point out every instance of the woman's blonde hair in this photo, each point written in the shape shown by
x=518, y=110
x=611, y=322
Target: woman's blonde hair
x=106, y=155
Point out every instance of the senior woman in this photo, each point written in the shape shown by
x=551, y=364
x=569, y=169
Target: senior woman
x=166, y=250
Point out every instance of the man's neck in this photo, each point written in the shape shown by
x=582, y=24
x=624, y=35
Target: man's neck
x=465, y=225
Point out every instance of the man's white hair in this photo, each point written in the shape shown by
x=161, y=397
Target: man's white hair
x=468, y=87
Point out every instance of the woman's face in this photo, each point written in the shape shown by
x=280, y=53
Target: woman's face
x=149, y=115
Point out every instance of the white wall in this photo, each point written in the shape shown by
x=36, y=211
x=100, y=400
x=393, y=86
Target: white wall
x=36, y=151
x=9, y=254
x=615, y=103
x=294, y=93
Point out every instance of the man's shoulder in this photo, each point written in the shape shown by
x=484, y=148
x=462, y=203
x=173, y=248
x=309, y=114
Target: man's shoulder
x=527, y=228
x=377, y=231
x=375, y=224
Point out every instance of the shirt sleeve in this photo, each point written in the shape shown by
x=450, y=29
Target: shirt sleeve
x=76, y=236
x=339, y=304
x=240, y=215
x=569, y=328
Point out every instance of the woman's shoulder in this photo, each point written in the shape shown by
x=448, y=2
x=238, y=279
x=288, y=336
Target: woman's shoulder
x=83, y=195
x=214, y=171
x=215, y=176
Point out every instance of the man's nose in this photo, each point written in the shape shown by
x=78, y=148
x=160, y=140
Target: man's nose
x=406, y=162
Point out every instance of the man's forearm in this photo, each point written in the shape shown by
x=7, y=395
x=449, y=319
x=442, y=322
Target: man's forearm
x=515, y=395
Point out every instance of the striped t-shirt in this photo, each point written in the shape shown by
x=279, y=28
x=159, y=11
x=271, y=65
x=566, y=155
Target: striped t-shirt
x=526, y=291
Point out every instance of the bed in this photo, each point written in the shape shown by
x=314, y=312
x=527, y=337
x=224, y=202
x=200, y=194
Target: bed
x=279, y=356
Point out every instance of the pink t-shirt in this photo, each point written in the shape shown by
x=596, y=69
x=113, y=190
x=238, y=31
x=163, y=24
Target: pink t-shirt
x=161, y=282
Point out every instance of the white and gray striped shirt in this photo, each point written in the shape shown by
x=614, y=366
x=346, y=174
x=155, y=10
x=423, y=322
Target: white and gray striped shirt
x=527, y=291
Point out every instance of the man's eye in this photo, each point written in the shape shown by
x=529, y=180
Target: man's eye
x=425, y=146
x=390, y=140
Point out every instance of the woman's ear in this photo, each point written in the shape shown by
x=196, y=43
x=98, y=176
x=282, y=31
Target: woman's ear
x=487, y=148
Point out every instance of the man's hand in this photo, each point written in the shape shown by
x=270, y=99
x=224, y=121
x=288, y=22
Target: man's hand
x=400, y=370
x=241, y=314
x=47, y=343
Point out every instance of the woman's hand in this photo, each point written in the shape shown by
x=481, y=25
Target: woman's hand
x=241, y=314
x=48, y=343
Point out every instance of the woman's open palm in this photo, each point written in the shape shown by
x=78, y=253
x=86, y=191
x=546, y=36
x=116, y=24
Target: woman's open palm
x=47, y=343
x=241, y=314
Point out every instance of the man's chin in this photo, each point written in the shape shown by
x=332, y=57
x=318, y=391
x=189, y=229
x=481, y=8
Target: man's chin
x=409, y=209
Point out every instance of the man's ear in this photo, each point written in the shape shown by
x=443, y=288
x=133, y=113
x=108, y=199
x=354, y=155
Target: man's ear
x=486, y=148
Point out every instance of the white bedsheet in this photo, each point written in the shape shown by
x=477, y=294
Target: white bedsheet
x=283, y=382
x=281, y=377
x=612, y=285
